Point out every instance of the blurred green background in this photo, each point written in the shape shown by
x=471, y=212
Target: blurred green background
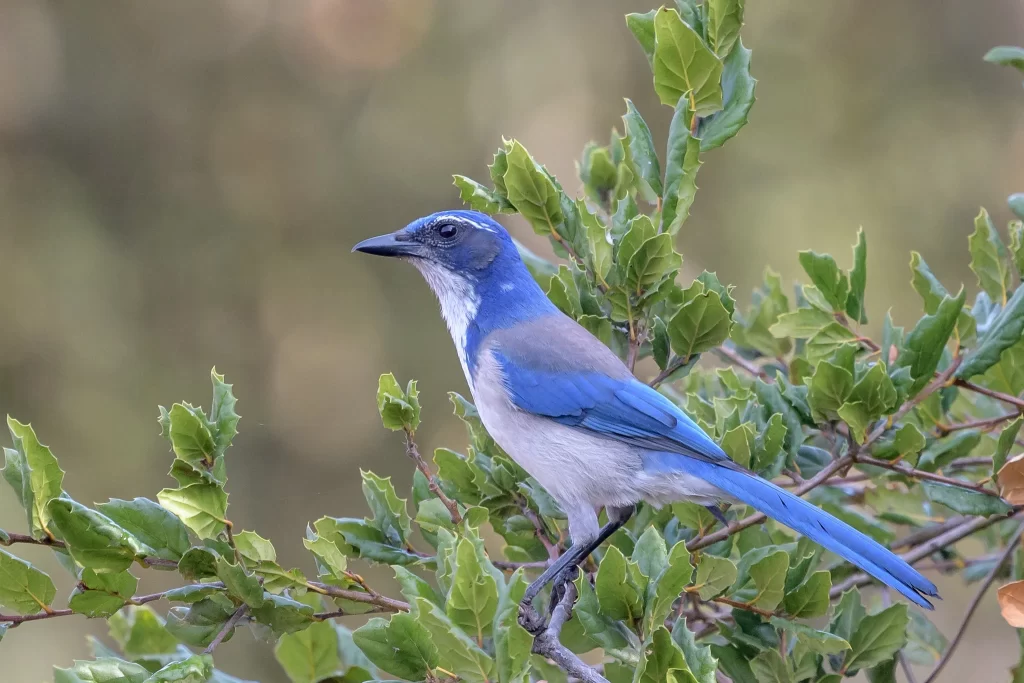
x=181, y=183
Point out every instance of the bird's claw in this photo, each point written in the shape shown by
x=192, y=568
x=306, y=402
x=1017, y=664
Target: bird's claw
x=530, y=619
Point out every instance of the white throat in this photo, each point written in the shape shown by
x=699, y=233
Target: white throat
x=459, y=304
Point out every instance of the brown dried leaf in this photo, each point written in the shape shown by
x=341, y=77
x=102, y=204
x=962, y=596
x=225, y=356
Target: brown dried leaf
x=1011, y=481
x=1011, y=603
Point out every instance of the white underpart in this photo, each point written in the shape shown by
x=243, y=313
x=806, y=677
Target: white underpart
x=459, y=304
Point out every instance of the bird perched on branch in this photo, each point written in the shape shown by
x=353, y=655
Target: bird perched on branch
x=565, y=408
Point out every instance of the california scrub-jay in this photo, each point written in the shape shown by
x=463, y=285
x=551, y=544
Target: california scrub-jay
x=565, y=408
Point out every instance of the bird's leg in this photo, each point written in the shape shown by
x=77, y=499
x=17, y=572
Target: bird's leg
x=564, y=568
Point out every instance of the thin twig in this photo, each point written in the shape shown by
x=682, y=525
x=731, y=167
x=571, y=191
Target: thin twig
x=228, y=627
x=991, y=393
x=735, y=358
x=547, y=644
x=382, y=601
x=413, y=452
x=1011, y=546
x=22, y=538
x=909, y=471
x=16, y=619
x=985, y=424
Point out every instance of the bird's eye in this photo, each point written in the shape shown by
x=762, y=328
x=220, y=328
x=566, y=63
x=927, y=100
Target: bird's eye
x=447, y=231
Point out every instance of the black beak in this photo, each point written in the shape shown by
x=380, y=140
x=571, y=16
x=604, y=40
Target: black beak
x=387, y=245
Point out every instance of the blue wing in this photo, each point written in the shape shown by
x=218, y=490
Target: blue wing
x=619, y=408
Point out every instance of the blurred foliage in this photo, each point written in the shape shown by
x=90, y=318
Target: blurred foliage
x=168, y=202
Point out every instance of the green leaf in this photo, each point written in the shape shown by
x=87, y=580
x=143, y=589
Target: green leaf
x=398, y=409
x=512, y=644
x=827, y=277
x=532, y=192
x=642, y=27
x=329, y=559
x=41, y=476
x=1006, y=55
x=92, y=538
x=682, y=161
x=151, y=524
x=666, y=585
x=239, y=583
x=848, y=614
x=1016, y=230
x=254, y=548
x=700, y=324
x=100, y=595
x=641, y=148
x=964, y=501
x=683, y=65
x=620, y=586
x=1004, y=332
x=819, y=642
x=877, y=638
x=698, y=657
x=223, y=418
x=724, y=20
x=390, y=514
x=925, y=644
x=195, y=669
x=479, y=197
x=738, y=443
x=599, y=243
x=905, y=444
x=858, y=280
x=1006, y=441
x=202, y=507
x=738, y=98
x=714, y=575
x=311, y=655
x=769, y=577
x=810, y=598
x=943, y=451
x=102, y=670
x=829, y=389
x=23, y=588
x=456, y=651
x=926, y=342
x=932, y=293
x=654, y=260
x=473, y=599
x=190, y=436
x=199, y=623
x=770, y=667
x=989, y=258
x=282, y=614
x=140, y=632
x=801, y=323
x=876, y=391
x=662, y=661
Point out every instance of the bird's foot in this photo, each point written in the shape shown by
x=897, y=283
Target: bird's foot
x=530, y=619
x=559, y=587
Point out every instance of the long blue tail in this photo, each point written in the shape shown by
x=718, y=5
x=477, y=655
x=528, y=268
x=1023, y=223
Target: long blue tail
x=800, y=515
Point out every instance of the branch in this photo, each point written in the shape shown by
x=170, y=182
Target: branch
x=909, y=471
x=372, y=598
x=414, y=452
x=228, y=627
x=17, y=619
x=547, y=644
x=1011, y=546
x=985, y=424
x=22, y=538
x=998, y=395
x=733, y=357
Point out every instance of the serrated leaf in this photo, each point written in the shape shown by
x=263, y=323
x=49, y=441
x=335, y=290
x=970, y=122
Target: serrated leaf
x=877, y=638
x=801, y=323
x=23, y=588
x=398, y=410
x=456, y=651
x=770, y=667
x=933, y=292
x=92, y=538
x=666, y=585
x=195, y=669
x=641, y=148
x=190, y=436
x=683, y=65
x=479, y=197
x=599, y=243
x=311, y=655
x=642, y=28
x=827, y=277
x=1004, y=333
x=682, y=161
x=473, y=599
x=738, y=443
x=200, y=622
x=724, y=20
x=140, y=632
x=810, y=598
x=239, y=583
x=829, y=389
x=40, y=475
x=964, y=501
x=223, y=418
x=714, y=575
x=620, y=586
x=769, y=577
x=151, y=524
x=698, y=657
x=390, y=514
x=700, y=324
x=925, y=343
x=201, y=507
x=819, y=642
x=102, y=670
x=738, y=98
x=989, y=258
x=531, y=192
x=282, y=614
x=100, y=595
x=1007, y=439
x=858, y=280
x=254, y=548
x=662, y=661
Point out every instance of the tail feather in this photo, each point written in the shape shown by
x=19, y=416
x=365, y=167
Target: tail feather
x=814, y=523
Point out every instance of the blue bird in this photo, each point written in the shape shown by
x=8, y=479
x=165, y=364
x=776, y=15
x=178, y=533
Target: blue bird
x=565, y=408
